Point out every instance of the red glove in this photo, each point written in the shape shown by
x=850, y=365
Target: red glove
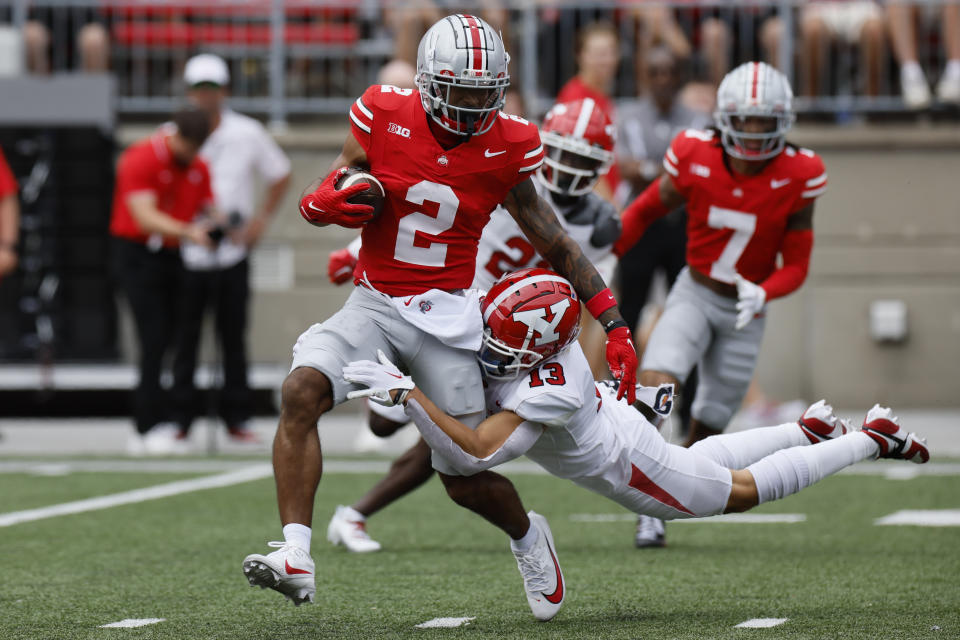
x=340, y=266
x=327, y=205
x=622, y=360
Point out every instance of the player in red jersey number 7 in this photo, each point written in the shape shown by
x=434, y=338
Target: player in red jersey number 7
x=446, y=157
x=749, y=197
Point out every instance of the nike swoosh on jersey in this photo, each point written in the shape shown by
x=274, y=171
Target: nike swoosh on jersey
x=776, y=184
x=292, y=570
x=487, y=153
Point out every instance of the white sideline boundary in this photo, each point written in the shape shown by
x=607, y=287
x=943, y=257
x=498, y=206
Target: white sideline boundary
x=139, y=495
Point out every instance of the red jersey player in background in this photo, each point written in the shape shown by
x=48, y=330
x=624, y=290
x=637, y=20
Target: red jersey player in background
x=447, y=157
x=749, y=197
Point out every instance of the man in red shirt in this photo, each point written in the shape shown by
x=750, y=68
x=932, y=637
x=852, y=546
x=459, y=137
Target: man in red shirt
x=161, y=187
x=598, y=55
x=9, y=219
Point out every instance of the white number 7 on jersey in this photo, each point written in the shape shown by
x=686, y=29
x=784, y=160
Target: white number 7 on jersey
x=743, y=225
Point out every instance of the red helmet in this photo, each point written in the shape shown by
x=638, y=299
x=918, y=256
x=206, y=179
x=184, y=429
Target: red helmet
x=528, y=315
x=578, y=137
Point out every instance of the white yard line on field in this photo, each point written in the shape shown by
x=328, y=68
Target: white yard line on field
x=444, y=622
x=247, y=474
x=130, y=623
x=923, y=518
x=760, y=623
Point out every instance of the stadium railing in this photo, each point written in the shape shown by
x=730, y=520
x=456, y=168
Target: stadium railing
x=293, y=58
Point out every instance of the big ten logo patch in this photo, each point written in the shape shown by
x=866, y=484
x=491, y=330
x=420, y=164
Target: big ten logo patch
x=397, y=129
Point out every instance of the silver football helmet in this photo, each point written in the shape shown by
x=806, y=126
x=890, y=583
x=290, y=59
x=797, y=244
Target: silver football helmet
x=462, y=52
x=754, y=90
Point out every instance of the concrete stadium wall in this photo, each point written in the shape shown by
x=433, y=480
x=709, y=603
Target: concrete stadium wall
x=888, y=227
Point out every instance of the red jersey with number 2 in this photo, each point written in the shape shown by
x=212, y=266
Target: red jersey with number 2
x=736, y=223
x=438, y=200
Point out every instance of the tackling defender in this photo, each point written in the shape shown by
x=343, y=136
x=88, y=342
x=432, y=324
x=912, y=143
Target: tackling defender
x=542, y=402
x=446, y=156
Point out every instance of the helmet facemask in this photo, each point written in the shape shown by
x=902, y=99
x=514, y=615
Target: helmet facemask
x=440, y=92
x=571, y=167
x=757, y=145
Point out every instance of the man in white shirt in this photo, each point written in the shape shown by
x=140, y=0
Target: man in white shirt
x=240, y=153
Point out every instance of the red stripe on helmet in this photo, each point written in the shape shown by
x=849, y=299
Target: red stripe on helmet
x=474, y=33
x=756, y=79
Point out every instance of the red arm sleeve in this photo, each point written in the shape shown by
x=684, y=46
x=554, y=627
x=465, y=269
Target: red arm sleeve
x=796, y=248
x=638, y=216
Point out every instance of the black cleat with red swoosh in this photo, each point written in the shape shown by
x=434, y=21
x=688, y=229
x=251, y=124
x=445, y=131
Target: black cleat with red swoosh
x=542, y=577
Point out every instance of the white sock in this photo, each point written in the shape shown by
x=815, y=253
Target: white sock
x=952, y=70
x=353, y=515
x=298, y=535
x=912, y=72
x=788, y=471
x=737, y=450
x=527, y=541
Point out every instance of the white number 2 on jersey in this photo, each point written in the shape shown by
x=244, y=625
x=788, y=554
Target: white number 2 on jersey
x=435, y=254
x=743, y=225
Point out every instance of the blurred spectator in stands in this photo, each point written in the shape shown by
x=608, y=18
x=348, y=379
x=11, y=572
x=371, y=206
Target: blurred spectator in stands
x=858, y=23
x=162, y=186
x=399, y=73
x=65, y=34
x=903, y=36
x=9, y=219
x=408, y=21
x=644, y=131
x=240, y=154
x=728, y=36
x=598, y=55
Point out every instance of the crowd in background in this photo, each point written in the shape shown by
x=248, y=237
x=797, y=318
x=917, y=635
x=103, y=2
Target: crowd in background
x=888, y=46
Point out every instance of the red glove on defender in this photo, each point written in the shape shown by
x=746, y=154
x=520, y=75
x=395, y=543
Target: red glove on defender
x=621, y=356
x=327, y=205
x=340, y=266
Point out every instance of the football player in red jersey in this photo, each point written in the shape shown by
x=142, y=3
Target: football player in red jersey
x=446, y=156
x=749, y=197
x=578, y=142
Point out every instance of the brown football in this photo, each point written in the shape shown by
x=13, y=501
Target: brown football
x=374, y=196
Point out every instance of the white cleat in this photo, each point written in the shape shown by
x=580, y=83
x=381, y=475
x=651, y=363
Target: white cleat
x=289, y=570
x=651, y=533
x=542, y=577
x=819, y=424
x=884, y=427
x=348, y=529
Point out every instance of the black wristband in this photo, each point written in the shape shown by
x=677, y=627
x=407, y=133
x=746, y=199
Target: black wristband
x=614, y=324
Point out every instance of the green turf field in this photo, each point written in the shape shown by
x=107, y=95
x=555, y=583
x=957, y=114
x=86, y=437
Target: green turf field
x=835, y=575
